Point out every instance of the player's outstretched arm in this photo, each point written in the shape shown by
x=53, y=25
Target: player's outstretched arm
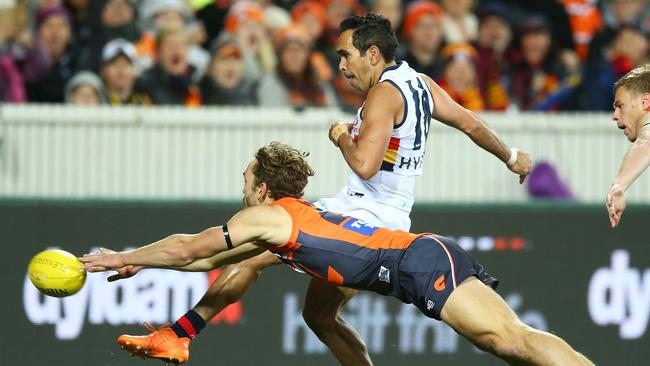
x=636, y=161
x=235, y=255
x=262, y=223
x=451, y=113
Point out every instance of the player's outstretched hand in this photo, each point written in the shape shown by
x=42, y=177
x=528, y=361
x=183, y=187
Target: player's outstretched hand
x=102, y=260
x=521, y=166
x=615, y=203
x=122, y=272
x=337, y=129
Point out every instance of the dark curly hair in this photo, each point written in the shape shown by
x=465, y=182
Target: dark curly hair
x=284, y=170
x=371, y=30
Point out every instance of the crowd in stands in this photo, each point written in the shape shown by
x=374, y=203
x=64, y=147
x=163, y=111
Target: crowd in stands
x=534, y=55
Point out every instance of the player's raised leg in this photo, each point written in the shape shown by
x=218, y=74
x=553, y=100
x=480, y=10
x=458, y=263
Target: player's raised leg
x=172, y=343
x=232, y=284
x=321, y=313
x=479, y=314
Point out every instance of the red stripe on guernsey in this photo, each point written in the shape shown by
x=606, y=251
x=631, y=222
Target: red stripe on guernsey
x=451, y=259
x=393, y=144
x=391, y=152
x=187, y=326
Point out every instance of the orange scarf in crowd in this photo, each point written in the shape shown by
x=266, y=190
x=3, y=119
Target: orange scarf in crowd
x=469, y=98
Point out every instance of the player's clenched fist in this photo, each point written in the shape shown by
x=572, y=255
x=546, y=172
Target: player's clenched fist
x=521, y=166
x=337, y=129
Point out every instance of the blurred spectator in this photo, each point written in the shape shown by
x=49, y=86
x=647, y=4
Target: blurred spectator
x=389, y=9
x=618, y=13
x=539, y=80
x=212, y=16
x=85, y=88
x=159, y=15
x=52, y=61
x=244, y=23
x=335, y=12
x=423, y=32
x=311, y=15
x=119, y=21
x=585, y=20
x=459, y=24
x=492, y=67
x=553, y=11
x=630, y=48
x=459, y=76
x=275, y=18
x=224, y=83
x=170, y=80
x=296, y=82
x=560, y=28
x=107, y=20
x=12, y=86
x=627, y=12
x=119, y=75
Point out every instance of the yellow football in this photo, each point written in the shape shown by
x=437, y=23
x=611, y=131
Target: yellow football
x=56, y=273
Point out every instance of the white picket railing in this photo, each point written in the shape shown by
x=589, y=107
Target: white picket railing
x=177, y=153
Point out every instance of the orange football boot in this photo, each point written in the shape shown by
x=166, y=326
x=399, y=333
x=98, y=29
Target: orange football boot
x=162, y=344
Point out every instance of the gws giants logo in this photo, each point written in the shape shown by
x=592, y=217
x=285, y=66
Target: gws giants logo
x=620, y=295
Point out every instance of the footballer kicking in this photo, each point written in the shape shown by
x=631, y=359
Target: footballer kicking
x=385, y=149
x=430, y=271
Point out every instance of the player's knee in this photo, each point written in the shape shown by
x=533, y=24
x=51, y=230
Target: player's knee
x=238, y=281
x=511, y=342
x=319, y=321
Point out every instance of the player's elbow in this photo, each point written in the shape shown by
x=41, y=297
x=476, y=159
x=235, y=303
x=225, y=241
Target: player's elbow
x=366, y=172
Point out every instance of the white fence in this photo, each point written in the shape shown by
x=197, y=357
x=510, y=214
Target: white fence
x=176, y=153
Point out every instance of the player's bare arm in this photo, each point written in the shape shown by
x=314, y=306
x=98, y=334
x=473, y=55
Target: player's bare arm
x=261, y=223
x=382, y=108
x=235, y=255
x=451, y=113
x=635, y=162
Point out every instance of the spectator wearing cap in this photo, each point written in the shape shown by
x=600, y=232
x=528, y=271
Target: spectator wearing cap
x=295, y=83
x=107, y=20
x=224, y=83
x=245, y=23
x=458, y=77
x=53, y=37
x=119, y=74
x=85, y=88
x=171, y=79
x=311, y=15
x=459, y=24
x=539, y=80
x=422, y=31
x=160, y=15
x=492, y=45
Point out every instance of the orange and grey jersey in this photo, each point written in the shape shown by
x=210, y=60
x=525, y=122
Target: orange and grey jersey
x=394, y=183
x=416, y=268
